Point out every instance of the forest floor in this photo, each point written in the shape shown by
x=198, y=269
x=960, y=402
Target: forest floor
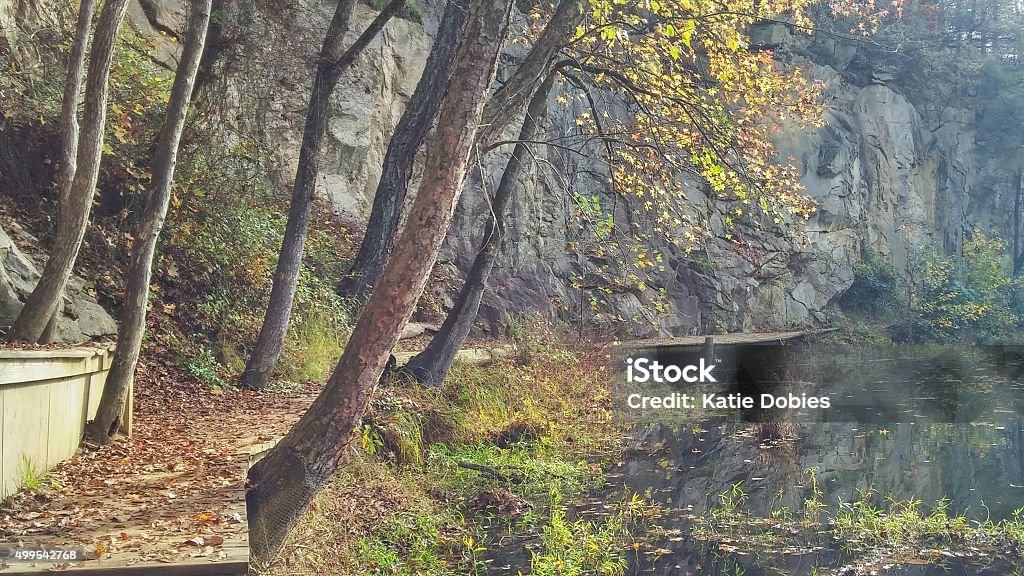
x=478, y=477
x=174, y=491
x=535, y=425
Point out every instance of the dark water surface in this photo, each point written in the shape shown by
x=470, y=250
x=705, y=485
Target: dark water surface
x=924, y=424
x=979, y=468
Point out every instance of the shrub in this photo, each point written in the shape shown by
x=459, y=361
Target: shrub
x=970, y=296
x=214, y=268
x=875, y=289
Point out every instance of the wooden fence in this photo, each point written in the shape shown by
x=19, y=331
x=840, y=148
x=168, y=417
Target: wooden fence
x=46, y=397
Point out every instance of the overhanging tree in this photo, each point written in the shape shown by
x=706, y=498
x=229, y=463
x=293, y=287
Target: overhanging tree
x=432, y=364
x=696, y=108
x=281, y=485
x=333, y=61
x=501, y=109
x=76, y=203
x=140, y=265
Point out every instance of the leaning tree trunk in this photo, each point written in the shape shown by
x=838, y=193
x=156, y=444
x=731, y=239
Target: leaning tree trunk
x=510, y=99
x=412, y=128
x=140, y=266
x=44, y=300
x=281, y=485
x=69, y=131
x=333, y=62
x=506, y=103
x=431, y=366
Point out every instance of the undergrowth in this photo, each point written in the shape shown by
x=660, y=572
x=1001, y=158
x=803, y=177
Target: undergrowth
x=972, y=296
x=445, y=476
x=871, y=531
x=214, y=267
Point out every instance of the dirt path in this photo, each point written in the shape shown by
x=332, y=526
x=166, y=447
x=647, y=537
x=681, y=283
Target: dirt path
x=173, y=492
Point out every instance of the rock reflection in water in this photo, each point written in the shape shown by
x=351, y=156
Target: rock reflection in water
x=979, y=468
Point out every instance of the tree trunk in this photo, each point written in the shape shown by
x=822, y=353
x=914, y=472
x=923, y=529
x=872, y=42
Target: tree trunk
x=431, y=366
x=282, y=484
x=133, y=313
x=212, y=48
x=509, y=100
x=69, y=131
x=330, y=67
x=506, y=103
x=1018, y=250
x=45, y=299
x=409, y=134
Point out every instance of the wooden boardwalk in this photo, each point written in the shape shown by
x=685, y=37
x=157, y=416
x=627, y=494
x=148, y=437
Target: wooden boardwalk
x=237, y=565
x=729, y=339
x=229, y=559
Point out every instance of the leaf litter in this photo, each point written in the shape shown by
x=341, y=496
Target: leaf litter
x=174, y=492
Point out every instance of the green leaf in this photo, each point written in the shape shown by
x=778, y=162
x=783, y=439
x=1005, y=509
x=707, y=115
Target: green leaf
x=688, y=30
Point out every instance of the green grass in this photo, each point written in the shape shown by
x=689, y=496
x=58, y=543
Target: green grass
x=33, y=477
x=869, y=532
x=405, y=506
x=570, y=548
x=316, y=341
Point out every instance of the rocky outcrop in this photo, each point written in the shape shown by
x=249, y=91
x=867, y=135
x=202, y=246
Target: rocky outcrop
x=886, y=180
x=81, y=320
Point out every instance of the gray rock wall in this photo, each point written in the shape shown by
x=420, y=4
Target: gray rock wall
x=886, y=181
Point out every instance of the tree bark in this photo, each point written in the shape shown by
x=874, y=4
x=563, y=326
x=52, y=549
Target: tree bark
x=1018, y=250
x=431, y=366
x=510, y=99
x=409, y=134
x=506, y=103
x=282, y=484
x=44, y=300
x=332, y=64
x=69, y=130
x=133, y=313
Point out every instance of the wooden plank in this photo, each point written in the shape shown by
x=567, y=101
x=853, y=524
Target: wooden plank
x=474, y=356
x=25, y=424
x=234, y=565
x=75, y=352
x=66, y=418
x=96, y=382
x=48, y=354
x=257, y=452
x=727, y=339
x=20, y=371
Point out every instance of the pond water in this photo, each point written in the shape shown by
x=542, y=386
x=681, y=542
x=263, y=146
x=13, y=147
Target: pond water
x=978, y=468
x=930, y=425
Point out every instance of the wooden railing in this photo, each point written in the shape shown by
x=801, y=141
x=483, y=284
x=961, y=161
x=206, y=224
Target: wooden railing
x=46, y=397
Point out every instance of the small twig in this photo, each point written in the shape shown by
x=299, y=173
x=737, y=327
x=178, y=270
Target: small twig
x=485, y=470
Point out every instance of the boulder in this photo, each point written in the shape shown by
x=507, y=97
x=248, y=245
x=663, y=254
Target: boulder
x=82, y=318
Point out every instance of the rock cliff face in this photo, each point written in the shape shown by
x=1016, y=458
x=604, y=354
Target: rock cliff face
x=886, y=180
